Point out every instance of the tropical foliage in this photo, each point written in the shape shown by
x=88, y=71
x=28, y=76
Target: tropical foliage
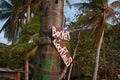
x=12, y=12
x=94, y=18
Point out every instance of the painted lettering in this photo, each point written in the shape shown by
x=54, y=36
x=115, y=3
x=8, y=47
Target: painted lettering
x=60, y=33
x=62, y=50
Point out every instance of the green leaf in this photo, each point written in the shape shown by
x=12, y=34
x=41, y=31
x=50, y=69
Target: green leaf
x=22, y=48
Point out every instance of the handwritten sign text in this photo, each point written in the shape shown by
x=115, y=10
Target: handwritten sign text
x=62, y=50
x=60, y=33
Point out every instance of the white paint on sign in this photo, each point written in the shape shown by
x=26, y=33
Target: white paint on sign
x=60, y=33
x=62, y=50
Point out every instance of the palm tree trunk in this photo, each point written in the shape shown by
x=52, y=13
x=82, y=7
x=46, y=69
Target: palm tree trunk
x=97, y=57
x=104, y=64
x=28, y=12
x=103, y=24
x=26, y=57
x=47, y=59
x=26, y=67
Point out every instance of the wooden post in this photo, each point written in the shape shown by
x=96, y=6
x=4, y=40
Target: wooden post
x=17, y=76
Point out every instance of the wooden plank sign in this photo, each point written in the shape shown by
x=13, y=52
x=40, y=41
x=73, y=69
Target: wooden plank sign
x=62, y=50
x=60, y=33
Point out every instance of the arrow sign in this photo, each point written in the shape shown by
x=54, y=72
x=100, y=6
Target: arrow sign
x=60, y=33
x=62, y=50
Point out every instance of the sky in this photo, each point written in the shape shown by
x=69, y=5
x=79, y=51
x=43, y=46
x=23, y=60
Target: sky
x=69, y=13
x=2, y=39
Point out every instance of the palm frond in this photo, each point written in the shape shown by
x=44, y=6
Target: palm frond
x=22, y=49
x=115, y=4
x=6, y=5
x=35, y=36
x=4, y=15
x=82, y=5
x=36, y=6
x=24, y=39
x=88, y=6
x=13, y=25
x=100, y=28
x=92, y=15
x=3, y=27
x=111, y=14
x=10, y=30
x=88, y=19
x=33, y=26
x=69, y=4
x=32, y=52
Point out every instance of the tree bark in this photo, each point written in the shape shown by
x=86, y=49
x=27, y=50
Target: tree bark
x=102, y=25
x=97, y=57
x=26, y=68
x=28, y=12
x=47, y=59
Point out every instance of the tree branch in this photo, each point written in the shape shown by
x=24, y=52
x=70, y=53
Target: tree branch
x=65, y=69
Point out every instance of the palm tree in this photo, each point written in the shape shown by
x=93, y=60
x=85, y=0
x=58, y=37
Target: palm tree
x=96, y=13
x=35, y=9
x=47, y=64
x=14, y=11
x=27, y=57
x=11, y=11
x=29, y=32
x=26, y=50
